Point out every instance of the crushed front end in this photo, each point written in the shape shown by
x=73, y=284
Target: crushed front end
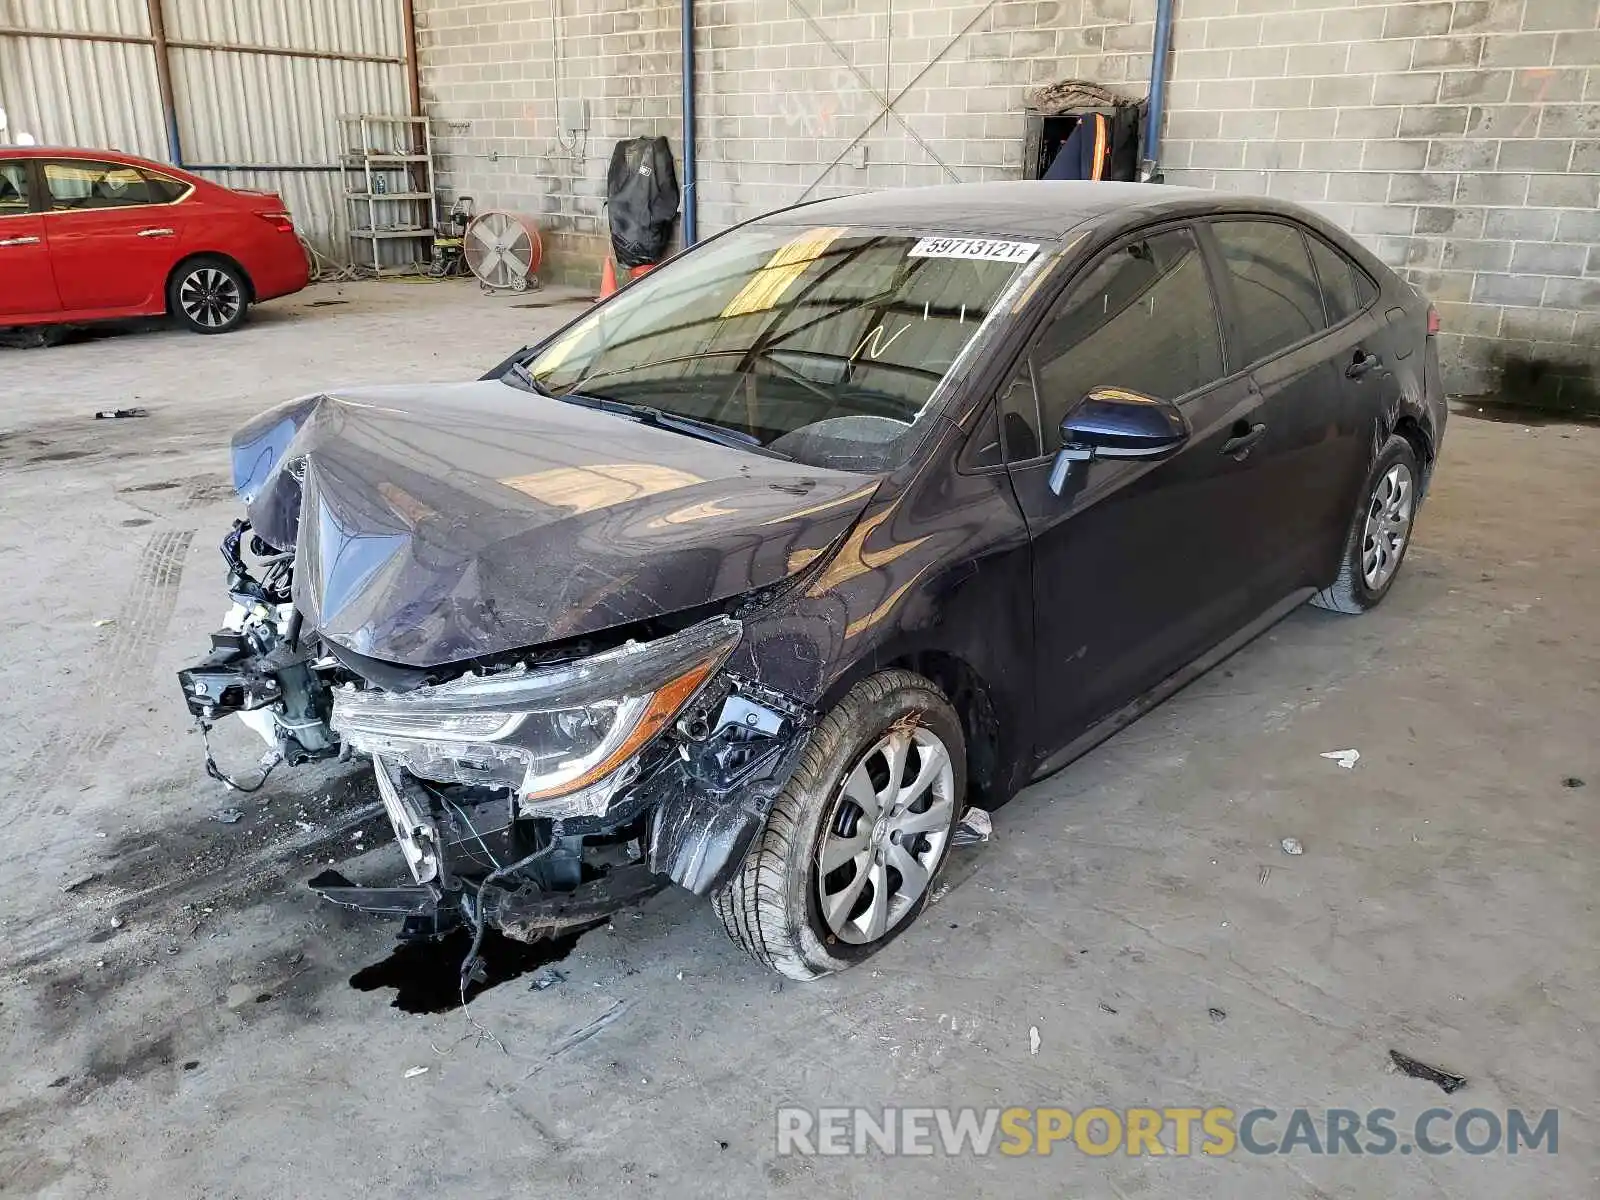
x=529, y=792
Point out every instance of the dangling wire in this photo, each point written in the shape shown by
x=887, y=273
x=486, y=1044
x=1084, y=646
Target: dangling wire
x=269, y=760
x=469, y=965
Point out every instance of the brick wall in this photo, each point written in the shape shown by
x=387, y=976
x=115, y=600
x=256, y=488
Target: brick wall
x=491, y=78
x=1460, y=139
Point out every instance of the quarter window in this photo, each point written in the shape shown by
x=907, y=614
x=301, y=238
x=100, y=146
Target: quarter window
x=13, y=188
x=84, y=185
x=1143, y=319
x=162, y=189
x=1337, y=274
x=1279, y=303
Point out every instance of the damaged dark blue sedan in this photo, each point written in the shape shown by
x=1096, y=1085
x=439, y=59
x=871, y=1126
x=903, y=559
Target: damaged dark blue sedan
x=757, y=575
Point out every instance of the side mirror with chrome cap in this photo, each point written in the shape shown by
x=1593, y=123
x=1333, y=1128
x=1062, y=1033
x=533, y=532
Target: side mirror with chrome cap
x=1112, y=422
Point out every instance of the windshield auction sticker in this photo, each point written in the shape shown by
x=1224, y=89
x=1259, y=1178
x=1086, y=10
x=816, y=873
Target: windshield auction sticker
x=982, y=248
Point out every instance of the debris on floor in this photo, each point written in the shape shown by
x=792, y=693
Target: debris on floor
x=1217, y=1015
x=974, y=827
x=549, y=978
x=117, y=414
x=1033, y=1040
x=82, y=881
x=1572, y=781
x=228, y=816
x=1345, y=758
x=413, y=1072
x=1292, y=846
x=1420, y=1070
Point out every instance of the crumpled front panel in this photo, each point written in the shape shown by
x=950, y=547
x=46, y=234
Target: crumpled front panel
x=440, y=524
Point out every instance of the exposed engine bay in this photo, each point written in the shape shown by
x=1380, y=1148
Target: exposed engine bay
x=529, y=792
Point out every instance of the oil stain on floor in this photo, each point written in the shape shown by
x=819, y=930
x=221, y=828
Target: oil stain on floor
x=425, y=973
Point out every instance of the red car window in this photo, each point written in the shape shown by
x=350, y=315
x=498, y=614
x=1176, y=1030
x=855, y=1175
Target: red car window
x=74, y=185
x=13, y=187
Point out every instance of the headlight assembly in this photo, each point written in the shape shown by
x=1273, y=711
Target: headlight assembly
x=563, y=737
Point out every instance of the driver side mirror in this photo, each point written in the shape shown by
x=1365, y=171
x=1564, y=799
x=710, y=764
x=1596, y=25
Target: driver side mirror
x=1112, y=422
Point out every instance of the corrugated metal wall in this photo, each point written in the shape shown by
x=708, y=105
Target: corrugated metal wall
x=265, y=89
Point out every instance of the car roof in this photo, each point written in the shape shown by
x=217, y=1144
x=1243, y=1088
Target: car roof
x=100, y=152
x=1036, y=209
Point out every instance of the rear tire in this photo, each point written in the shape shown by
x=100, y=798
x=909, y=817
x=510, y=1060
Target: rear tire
x=1380, y=532
x=208, y=295
x=774, y=906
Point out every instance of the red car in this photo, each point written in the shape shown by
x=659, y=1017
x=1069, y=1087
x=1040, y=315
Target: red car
x=93, y=235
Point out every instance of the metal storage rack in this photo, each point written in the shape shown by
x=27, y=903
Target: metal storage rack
x=388, y=169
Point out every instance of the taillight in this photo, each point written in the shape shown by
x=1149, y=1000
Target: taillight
x=281, y=221
x=1433, y=320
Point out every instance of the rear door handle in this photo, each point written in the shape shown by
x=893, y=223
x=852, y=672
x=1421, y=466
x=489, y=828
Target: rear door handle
x=1361, y=365
x=155, y=233
x=1239, y=446
x=19, y=241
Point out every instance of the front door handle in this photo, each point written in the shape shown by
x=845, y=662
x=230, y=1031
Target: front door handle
x=155, y=233
x=1239, y=445
x=19, y=241
x=1361, y=364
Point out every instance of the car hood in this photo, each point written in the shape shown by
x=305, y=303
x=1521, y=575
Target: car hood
x=439, y=523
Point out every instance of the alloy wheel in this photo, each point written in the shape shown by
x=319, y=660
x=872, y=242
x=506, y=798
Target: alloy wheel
x=210, y=297
x=1388, y=526
x=885, y=834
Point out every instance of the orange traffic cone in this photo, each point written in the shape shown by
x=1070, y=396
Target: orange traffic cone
x=608, y=278
x=635, y=272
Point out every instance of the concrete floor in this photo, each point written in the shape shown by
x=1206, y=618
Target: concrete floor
x=183, y=1024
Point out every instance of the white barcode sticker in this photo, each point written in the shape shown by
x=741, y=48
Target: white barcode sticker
x=982, y=248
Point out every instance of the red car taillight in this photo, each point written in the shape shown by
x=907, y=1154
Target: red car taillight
x=1433, y=320
x=281, y=221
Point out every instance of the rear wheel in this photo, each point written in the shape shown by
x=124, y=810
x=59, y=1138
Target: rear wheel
x=1379, y=534
x=850, y=849
x=208, y=295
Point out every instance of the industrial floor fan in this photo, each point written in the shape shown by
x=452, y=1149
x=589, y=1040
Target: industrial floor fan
x=503, y=250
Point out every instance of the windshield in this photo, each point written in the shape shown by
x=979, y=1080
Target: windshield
x=826, y=345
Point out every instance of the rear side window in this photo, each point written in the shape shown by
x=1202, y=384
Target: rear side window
x=1337, y=274
x=13, y=187
x=1142, y=319
x=162, y=189
x=1279, y=303
x=80, y=184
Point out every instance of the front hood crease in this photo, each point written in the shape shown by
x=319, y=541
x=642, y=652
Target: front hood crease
x=442, y=523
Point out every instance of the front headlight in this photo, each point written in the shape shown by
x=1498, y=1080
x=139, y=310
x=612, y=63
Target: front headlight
x=564, y=737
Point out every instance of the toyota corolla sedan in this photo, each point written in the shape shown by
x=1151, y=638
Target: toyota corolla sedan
x=754, y=577
x=95, y=235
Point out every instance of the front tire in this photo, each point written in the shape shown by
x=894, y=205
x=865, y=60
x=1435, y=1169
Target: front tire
x=208, y=295
x=1379, y=534
x=848, y=854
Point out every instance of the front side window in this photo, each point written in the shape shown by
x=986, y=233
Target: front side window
x=13, y=187
x=79, y=184
x=1279, y=303
x=1142, y=319
x=828, y=345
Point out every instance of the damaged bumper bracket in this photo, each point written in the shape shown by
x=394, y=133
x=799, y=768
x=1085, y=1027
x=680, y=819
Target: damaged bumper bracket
x=407, y=806
x=379, y=901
